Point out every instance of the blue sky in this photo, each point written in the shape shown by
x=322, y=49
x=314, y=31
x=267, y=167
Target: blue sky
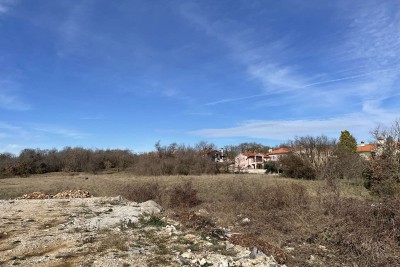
x=125, y=74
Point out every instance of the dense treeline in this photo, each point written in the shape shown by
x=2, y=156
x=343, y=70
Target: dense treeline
x=165, y=160
x=37, y=161
x=172, y=159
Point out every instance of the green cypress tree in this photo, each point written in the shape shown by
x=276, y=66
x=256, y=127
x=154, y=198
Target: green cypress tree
x=347, y=142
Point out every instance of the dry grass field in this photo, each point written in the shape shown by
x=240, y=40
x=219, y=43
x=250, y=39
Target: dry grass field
x=315, y=224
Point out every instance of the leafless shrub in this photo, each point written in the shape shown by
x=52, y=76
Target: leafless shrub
x=365, y=232
x=173, y=160
x=184, y=196
x=312, y=153
x=385, y=165
x=141, y=192
x=297, y=167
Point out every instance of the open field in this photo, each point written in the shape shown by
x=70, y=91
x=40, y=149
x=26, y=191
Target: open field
x=211, y=187
x=315, y=224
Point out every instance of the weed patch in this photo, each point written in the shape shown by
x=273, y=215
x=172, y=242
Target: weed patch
x=153, y=220
x=142, y=192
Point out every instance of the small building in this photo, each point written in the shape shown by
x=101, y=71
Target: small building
x=366, y=151
x=214, y=155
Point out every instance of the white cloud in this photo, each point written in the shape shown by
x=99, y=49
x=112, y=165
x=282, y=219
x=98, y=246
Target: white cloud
x=275, y=78
x=228, y=100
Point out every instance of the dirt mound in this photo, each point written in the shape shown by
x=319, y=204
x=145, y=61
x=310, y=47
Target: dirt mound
x=66, y=194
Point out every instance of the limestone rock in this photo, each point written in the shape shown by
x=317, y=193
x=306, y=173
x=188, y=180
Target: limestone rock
x=151, y=207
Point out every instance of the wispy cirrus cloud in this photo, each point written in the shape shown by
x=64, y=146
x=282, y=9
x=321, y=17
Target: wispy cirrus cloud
x=59, y=131
x=360, y=124
x=73, y=31
x=31, y=130
x=374, y=35
x=11, y=136
x=10, y=96
x=16, y=136
x=368, y=53
x=12, y=101
x=228, y=100
x=363, y=72
x=6, y=5
x=11, y=129
x=261, y=60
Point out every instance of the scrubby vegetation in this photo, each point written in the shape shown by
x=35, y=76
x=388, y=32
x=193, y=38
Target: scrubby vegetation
x=337, y=222
x=323, y=159
x=340, y=207
x=166, y=160
x=172, y=159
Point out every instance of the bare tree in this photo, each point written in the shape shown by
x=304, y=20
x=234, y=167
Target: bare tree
x=314, y=151
x=204, y=145
x=385, y=165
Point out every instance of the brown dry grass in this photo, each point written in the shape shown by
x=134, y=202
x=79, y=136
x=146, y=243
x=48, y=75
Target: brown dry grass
x=354, y=227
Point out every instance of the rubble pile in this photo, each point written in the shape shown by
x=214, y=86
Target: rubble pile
x=72, y=194
x=66, y=194
x=36, y=195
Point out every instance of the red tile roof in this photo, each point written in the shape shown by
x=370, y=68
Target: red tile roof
x=366, y=148
x=282, y=150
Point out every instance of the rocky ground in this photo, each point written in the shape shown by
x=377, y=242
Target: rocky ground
x=74, y=229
